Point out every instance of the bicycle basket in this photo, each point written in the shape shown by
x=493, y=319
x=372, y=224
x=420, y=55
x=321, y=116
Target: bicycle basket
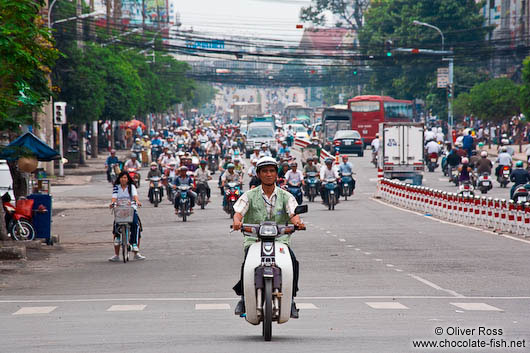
x=123, y=214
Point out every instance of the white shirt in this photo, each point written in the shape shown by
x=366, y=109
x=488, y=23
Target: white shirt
x=202, y=176
x=294, y=177
x=131, y=164
x=375, y=145
x=429, y=135
x=433, y=147
x=123, y=194
x=326, y=173
x=504, y=158
x=242, y=205
x=440, y=137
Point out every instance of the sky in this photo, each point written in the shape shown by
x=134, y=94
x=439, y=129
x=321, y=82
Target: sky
x=264, y=18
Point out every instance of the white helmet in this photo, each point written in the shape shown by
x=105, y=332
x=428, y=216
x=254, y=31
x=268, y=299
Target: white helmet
x=465, y=160
x=440, y=129
x=265, y=161
x=504, y=149
x=483, y=154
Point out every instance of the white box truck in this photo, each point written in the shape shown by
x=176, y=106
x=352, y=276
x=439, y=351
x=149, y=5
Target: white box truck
x=401, y=152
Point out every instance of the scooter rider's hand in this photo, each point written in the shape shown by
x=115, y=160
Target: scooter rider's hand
x=299, y=225
x=238, y=222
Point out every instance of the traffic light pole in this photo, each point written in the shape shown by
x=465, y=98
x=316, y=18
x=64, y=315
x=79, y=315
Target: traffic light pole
x=450, y=98
x=61, y=152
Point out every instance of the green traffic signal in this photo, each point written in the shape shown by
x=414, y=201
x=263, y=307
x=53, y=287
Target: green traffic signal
x=389, y=53
x=355, y=71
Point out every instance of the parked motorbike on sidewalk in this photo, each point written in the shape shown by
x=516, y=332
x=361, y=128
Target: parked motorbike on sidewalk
x=232, y=194
x=484, y=183
x=268, y=275
x=18, y=218
x=311, y=181
x=155, y=190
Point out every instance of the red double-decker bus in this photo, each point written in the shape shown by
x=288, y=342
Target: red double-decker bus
x=369, y=111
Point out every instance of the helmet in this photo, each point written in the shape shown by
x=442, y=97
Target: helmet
x=504, y=149
x=153, y=164
x=440, y=129
x=505, y=141
x=237, y=160
x=137, y=139
x=256, y=148
x=230, y=165
x=112, y=151
x=264, y=145
x=484, y=154
x=329, y=160
x=480, y=144
x=519, y=164
x=293, y=164
x=172, y=163
x=465, y=160
x=146, y=137
x=183, y=168
x=133, y=155
x=344, y=156
x=265, y=161
x=203, y=161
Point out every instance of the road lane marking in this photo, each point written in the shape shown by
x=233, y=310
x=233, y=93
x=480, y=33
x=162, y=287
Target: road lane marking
x=389, y=265
x=212, y=306
x=367, y=253
x=476, y=307
x=306, y=306
x=139, y=307
x=386, y=305
x=31, y=310
x=451, y=223
x=435, y=286
x=378, y=260
x=398, y=270
x=342, y=240
x=357, y=249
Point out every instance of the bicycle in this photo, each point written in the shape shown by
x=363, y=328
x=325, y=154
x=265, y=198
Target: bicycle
x=123, y=218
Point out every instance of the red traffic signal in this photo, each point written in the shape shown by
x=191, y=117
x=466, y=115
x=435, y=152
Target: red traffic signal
x=299, y=26
x=415, y=51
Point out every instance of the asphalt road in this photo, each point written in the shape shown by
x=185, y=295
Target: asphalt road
x=373, y=279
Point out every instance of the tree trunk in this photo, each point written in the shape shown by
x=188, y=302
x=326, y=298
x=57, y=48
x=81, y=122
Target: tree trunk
x=82, y=144
x=94, y=141
x=3, y=228
x=20, y=184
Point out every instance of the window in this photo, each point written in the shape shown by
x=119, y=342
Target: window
x=347, y=134
x=260, y=132
x=365, y=107
x=396, y=110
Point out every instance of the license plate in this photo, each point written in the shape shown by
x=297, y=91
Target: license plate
x=522, y=198
x=347, y=142
x=486, y=183
x=365, y=132
x=465, y=193
x=433, y=160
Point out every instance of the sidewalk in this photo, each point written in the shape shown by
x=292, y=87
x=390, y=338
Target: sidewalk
x=518, y=156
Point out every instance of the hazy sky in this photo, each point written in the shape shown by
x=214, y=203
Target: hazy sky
x=264, y=18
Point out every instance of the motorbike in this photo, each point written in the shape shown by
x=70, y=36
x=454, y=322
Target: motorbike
x=232, y=194
x=213, y=163
x=201, y=195
x=454, y=176
x=312, y=185
x=296, y=191
x=18, y=218
x=374, y=158
x=504, y=176
x=181, y=144
x=135, y=176
x=155, y=190
x=445, y=165
x=156, y=151
x=185, y=202
x=466, y=189
x=484, y=183
x=433, y=162
x=348, y=185
x=268, y=275
x=331, y=189
x=521, y=193
x=114, y=171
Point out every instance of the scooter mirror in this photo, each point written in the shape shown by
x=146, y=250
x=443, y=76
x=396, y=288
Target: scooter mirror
x=300, y=209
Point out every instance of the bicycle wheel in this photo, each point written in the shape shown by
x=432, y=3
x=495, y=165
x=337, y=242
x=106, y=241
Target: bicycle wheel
x=267, y=310
x=125, y=243
x=22, y=230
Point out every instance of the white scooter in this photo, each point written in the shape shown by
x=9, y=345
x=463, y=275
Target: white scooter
x=268, y=275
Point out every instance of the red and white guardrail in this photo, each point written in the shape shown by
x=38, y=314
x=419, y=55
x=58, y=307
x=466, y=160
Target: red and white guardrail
x=301, y=143
x=498, y=215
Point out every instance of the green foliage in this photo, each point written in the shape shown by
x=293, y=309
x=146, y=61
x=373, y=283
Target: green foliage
x=350, y=13
x=410, y=76
x=202, y=94
x=494, y=100
x=524, y=94
x=26, y=54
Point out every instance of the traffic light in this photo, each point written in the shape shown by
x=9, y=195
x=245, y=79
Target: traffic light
x=355, y=72
x=449, y=90
x=388, y=47
x=59, y=113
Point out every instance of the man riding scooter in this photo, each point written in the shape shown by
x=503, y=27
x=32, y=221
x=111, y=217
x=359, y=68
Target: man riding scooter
x=519, y=176
x=184, y=179
x=267, y=202
x=327, y=172
x=346, y=169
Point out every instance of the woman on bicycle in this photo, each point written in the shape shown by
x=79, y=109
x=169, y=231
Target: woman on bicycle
x=124, y=190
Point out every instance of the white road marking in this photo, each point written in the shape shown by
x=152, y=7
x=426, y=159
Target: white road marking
x=328, y=232
x=373, y=179
x=454, y=224
x=212, y=306
x=386, y=305
x=378, y=260
x=349, y=245
x=30, y=310
x=139, y=307
x=367, y=253
x=476, y=307
x=389, y=265
x=307, y=306
x=435, y=286
x=342, y=240
x=334, y=235
x=357, y=249
x=398, y=270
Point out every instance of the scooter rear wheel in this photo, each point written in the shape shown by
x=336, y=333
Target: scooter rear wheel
x=22, y=230
x=267, y=310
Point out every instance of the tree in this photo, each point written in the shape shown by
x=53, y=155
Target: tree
x=494, y=100
x=350, y=13
x=524, y=95
x=413, y=76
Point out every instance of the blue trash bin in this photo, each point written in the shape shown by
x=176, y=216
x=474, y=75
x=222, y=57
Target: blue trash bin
x=42, y=221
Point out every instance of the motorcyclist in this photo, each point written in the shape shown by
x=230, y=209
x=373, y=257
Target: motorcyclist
x=284, y=149
x=375, y=147
x=433, y=149
x=252, y=173
x=255, y=155
x=310, y=168
x=202, y=175
x=453, y=161
x=132, y=163
x=464, y=171
x=345, y=168
x=124, y=189
x=440, y=137
x=184, y=179
x=294, y=176
x=230, y=176
x=154, y=172
x=165, y=158
x=519, y=176
x=266, y=202
x=284, y=168
x=265, y=152
x=137, y=148
x=327, y=172
x=467, y=142
x=112, y=159
x=484, y=164
x=503, y=159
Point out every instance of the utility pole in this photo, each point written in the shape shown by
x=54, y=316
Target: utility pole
x=108, y=15
x=94, y=141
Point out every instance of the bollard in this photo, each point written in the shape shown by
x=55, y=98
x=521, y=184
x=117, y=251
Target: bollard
x=490, y=213
x=526, y=219
x=512, y=225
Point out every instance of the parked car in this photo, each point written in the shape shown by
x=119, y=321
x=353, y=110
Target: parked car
x=349, y=141
x=6, y=182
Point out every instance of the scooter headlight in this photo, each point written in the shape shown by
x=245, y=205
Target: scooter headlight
x=268, y=230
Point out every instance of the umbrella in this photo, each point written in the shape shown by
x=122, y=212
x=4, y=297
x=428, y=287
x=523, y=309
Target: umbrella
x=30, y=142
x=133, y=124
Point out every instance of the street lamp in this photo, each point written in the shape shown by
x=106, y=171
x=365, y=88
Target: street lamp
x=418, y=23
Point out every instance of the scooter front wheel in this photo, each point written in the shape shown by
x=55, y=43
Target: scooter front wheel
x=22, y=230
x=267, y=311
